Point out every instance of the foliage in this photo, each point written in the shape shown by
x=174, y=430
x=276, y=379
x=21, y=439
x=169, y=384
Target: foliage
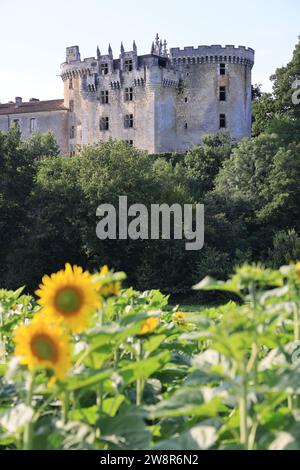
x=275, y=112
x=212, y=378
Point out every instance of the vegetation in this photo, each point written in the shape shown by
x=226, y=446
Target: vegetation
x=250, y=191
x=98, y=367
x=86, y=364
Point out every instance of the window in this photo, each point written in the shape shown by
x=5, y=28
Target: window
x=222, y=93
x=72, y=132
x=186, y=125
x=104, y=68
x=128, y=121
x=104, y=97
x=32, y=127
x=130, y=142
x=222, y=69
x=104, y=124
x=185, y=99
x=71, y=106
x=128, y=65
x=70, y=83
x=222, y=121
x=128, y=94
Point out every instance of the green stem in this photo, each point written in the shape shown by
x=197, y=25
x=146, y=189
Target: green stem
x=116, y=357
x=255, y=349
x=65, y=407
x=99, y=400
x=296, y=322
x=139, y=382
x=243, y=405
x=27, y=437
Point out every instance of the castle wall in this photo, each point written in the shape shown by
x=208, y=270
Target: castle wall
x=176, y=98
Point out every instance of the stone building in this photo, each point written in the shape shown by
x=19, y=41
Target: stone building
x=39, y=116
x=160, y=102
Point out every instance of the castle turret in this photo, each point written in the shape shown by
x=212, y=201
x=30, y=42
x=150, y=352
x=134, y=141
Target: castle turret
x=72, y=54
x=128, y=60
x=98, y=53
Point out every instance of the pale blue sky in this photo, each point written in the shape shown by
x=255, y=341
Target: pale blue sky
x=34, y=34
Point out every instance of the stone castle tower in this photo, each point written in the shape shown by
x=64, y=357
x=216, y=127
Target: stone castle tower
x=161, y=102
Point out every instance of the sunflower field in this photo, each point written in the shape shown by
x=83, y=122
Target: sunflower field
x=87, y=364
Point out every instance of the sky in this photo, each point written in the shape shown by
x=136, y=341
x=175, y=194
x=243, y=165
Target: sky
x=35, y=33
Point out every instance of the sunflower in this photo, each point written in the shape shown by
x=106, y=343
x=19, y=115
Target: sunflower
x=106, y=286
x=43, y=345
x=149, y=325
x=180, y=318
x=180, y=315
x=69, y=296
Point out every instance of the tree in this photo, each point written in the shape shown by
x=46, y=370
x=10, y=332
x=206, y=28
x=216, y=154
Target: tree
x=16, y=182
x=276, y=112
x=18, y=227
x=281, y=191
x=112, y=169
x=202, y=163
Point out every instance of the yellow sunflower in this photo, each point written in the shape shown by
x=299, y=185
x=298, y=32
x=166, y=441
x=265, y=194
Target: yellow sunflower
x=149, y=325
x=69, y=296
x=106, y=287
x=180, y=318
x=43, y=345
x=180, y=315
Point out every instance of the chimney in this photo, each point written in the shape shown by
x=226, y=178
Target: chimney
x=18, y=100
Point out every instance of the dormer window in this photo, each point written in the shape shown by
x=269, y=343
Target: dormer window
x=128, y=65
x=104, y=68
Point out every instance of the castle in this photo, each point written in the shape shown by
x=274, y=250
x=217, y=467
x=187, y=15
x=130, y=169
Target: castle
x=164, y=101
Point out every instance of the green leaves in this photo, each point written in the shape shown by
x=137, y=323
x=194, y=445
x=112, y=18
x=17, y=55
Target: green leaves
x=224, y=377
x=210, y=284
x=201, y=437
x=132, y=371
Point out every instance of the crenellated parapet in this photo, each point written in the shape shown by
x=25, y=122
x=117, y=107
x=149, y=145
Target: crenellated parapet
x=212, y=54
x=78, y=68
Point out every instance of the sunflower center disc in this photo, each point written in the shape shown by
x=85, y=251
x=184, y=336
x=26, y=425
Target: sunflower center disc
x=68, y=300
x=43, y=348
